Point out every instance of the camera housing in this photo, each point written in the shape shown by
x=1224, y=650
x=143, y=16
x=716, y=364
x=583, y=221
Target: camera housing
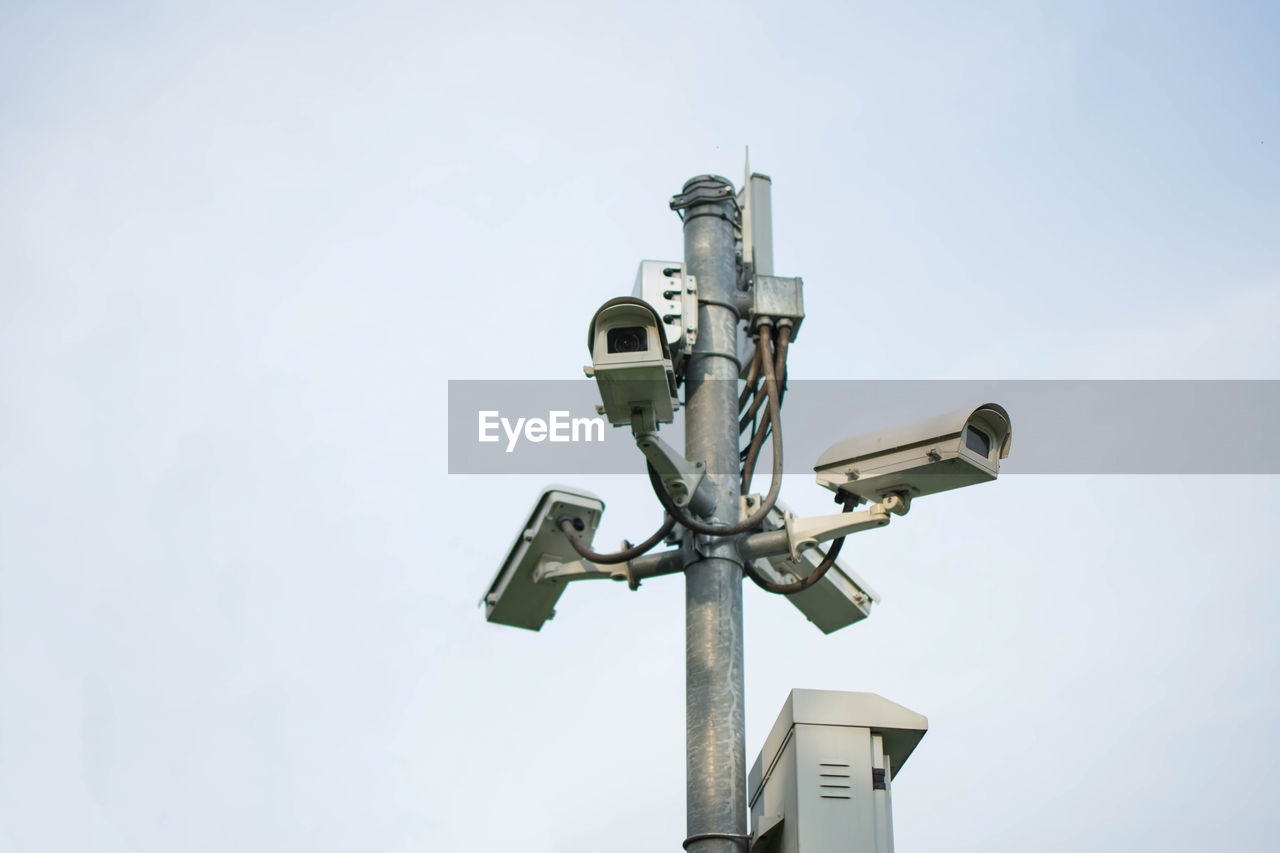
x=631, y=363
x=923, y=458
x=840, y=598
x=515, y=597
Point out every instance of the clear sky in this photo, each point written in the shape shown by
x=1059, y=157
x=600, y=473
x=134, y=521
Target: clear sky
x=243, y=246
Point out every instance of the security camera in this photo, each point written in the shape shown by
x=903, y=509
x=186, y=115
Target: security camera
x=517, y=596
x=934, y=455
x=840, y=598
x=631, y=363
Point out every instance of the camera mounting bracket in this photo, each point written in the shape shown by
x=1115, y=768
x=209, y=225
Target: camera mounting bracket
x=683, y=479
x=808, y=532
x=797, y=534
x=552, y=570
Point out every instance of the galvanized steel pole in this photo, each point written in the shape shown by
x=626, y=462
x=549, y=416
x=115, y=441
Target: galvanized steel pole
x=716, y=775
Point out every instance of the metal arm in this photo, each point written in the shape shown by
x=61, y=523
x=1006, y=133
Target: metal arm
x=551, y=570
x=683, y=479
x=800, y=533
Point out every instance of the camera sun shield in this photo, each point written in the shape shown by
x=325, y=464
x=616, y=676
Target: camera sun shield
x=934, y=455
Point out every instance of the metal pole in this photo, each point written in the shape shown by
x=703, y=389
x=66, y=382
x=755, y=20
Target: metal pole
x=716, y=775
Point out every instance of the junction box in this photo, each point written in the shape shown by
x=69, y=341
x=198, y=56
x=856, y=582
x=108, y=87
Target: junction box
x=822, y=781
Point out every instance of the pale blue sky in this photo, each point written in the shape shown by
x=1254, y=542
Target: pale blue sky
x=242, y=248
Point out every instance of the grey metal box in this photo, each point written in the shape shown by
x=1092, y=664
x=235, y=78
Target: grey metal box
x=821, y=783
x=664, y=285
x=778, y=298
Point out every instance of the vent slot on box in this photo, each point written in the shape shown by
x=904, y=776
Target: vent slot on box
x=834, y=781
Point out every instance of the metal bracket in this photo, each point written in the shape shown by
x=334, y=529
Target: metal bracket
x=643, y=421
x=689, y=310
x=683, y=479
x=767, y=832
x=808, y=532
x=899, y=504
x=551, y=570
x=708, y=546
x=706, y=189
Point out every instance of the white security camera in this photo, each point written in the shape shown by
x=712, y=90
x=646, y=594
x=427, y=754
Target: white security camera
x=631, y=363
x=923, y=458
x=517, y=595
x=840, y=598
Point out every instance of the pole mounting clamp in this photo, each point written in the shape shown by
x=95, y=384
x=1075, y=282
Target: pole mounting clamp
x=745, y=840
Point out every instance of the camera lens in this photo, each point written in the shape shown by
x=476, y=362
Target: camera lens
x=977, y=441
x=627, y=339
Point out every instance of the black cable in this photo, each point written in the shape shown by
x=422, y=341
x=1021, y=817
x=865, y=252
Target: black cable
x=757, y=399
x=585, y=552
x=753, y=378
x=771, y=389
x=833, y=551
x=758, y=437
x=750, y=420
x=780, y=367
x=784, y=343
